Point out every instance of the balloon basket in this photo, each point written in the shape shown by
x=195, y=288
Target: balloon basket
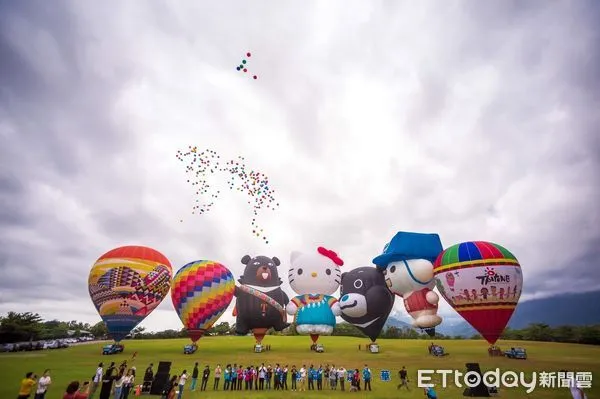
x=258, y=348
x=373, y=347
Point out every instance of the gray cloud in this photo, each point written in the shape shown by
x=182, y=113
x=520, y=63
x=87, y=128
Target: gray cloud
x=472, y=120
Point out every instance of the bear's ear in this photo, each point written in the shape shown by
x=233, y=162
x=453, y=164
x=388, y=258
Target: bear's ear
x=276, y=261
x=246, y=259
x=343, y=274
x=294, y=255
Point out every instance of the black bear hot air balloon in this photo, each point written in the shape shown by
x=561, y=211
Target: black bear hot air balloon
x=260, y=301
x=365, y=300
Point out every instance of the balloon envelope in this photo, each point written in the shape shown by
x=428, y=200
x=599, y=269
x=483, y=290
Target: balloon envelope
x=202, y=291
x=365, y=300
x=482, y=281
x=126, y=284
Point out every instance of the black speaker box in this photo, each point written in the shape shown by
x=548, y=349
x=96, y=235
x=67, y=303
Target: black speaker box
x=163, y=367
x=161, y=381
x=481, y=390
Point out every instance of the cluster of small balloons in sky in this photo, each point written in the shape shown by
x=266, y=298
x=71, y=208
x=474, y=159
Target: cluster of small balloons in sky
x=243, y=66
x=202, y=165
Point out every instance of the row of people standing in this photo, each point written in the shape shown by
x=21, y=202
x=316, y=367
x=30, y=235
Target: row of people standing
x=237, y=377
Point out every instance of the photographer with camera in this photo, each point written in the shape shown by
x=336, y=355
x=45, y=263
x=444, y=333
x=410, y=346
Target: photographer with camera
x=27, y=385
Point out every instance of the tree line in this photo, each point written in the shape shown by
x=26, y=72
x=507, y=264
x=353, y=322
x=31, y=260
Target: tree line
x=23, y=327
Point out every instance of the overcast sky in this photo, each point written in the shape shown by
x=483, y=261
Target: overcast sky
x=473, y=120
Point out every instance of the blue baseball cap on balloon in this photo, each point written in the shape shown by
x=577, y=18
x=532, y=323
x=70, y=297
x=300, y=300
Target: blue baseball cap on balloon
x=407, y=245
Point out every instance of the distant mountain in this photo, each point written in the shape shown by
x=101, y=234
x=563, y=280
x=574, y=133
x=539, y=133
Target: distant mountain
x=568, y=309
x=456, y=329
x=393, y=322
x=571, y=309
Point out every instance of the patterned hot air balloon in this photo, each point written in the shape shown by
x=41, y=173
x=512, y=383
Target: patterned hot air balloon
x=486, y=286
x=126, y=284
x=202, y=291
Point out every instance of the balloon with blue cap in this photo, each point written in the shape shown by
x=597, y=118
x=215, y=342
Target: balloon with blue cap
x=407, y=263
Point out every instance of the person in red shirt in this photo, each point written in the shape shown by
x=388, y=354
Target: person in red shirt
x=73, y=391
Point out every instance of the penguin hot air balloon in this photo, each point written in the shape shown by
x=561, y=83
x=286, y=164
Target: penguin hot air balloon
x=126, y=284
x=485, y=286
x=314, y=276
x=260, y=301
x=201, y=292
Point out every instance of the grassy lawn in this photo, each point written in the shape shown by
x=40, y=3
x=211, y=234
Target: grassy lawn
x=79, y=362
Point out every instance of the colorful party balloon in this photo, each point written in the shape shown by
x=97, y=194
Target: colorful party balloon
x=314, y=276
x=126, y=284
x=243, y=65
x=365, y=300
x=201, y=292
x=485, y=287
x=207, y=172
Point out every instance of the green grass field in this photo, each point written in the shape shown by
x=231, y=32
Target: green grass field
x=79, y=362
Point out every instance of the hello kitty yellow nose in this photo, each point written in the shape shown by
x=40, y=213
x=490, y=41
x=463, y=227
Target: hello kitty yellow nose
x=314, y=274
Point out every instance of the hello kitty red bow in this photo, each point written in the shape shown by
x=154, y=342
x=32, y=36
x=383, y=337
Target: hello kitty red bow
x=331, y=255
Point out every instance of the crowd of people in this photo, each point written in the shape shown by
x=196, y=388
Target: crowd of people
x=266, y=377
x=112, y=383
x=120, y=382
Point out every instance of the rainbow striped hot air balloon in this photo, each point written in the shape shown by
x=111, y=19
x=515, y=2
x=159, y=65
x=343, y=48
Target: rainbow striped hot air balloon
x=126, y=284
x=482, y=282
x=201, y=292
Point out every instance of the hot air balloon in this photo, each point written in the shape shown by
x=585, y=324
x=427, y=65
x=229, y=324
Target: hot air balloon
x=260, y=301
x=126, y=284
x=201, y=292
x=314, y=276
x=486, y=286
x=407, y=264
x=365, y=300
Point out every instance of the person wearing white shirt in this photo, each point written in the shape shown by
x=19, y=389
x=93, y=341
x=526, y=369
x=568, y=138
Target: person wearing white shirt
x=218, y=372
x=341, y=377
x=42, y=385
x=332, y=377
x=182, y=381
x=128, y=383
x=303, y=379
x=118, y=389
x=97, y=380
x=262, y=373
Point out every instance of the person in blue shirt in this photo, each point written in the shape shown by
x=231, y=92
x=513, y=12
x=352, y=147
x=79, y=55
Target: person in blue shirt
x=320, y=378
x=311, y=376
x=366, y=373
x=430, y=393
